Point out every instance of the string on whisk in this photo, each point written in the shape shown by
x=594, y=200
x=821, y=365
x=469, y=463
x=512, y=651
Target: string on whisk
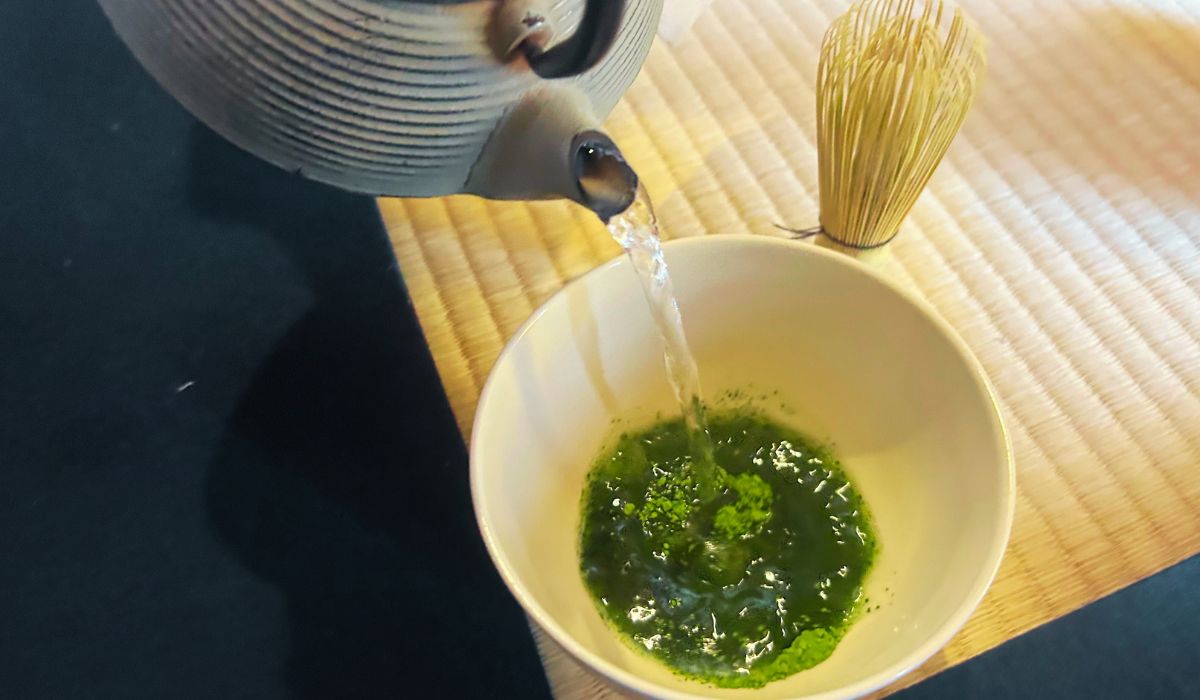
x=894, y=84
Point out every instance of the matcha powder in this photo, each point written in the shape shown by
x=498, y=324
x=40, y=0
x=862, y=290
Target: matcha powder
x=737, y=583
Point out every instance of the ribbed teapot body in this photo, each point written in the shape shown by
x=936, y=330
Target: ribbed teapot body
x=376, y=96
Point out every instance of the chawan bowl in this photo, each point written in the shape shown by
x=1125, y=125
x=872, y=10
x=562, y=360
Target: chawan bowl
x=839, y=353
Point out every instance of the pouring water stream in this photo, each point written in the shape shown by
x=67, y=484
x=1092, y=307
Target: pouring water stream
x=613, y=191
x=636, y=230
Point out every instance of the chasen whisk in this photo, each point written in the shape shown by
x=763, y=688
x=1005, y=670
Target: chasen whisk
x=894, y=84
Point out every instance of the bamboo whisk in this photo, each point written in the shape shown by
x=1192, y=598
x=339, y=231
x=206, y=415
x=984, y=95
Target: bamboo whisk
x=893, y=88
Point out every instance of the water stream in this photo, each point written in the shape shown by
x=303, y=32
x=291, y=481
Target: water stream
x=636, y=230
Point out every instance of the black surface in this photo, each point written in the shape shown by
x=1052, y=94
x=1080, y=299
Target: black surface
x=227, y=468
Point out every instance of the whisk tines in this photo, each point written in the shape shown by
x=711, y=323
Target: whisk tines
x=894, y=83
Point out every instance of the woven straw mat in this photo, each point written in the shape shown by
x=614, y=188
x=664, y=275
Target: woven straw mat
x=1060, y=237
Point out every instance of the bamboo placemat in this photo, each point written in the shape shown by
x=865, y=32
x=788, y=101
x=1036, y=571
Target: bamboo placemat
x=1060, y=237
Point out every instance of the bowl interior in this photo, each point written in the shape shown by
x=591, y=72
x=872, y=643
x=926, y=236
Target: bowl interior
x=856, y=365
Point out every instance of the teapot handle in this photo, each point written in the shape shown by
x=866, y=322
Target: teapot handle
x=591, y=41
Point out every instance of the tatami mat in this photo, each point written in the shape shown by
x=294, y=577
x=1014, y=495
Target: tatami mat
x=1060, y=237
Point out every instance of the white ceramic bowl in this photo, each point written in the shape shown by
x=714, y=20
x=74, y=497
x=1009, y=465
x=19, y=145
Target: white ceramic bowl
x=862, y=364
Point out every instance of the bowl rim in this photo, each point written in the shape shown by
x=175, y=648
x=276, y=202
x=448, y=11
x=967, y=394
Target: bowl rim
x=633, y=682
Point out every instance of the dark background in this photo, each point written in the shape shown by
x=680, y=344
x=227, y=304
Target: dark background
x=227, y=468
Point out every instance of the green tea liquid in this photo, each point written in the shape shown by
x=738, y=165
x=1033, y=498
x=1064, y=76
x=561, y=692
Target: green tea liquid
x=739, y=587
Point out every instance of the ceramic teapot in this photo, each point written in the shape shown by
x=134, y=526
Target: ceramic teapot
x=414, y=98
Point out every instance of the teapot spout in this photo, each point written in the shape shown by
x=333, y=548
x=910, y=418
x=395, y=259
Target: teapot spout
x=608, y=184
x=548, y=147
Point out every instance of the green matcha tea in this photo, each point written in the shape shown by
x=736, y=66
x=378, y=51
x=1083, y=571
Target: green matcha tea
x=736, y=583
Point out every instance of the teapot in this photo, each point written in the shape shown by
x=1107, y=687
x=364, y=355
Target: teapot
x=412, y=98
